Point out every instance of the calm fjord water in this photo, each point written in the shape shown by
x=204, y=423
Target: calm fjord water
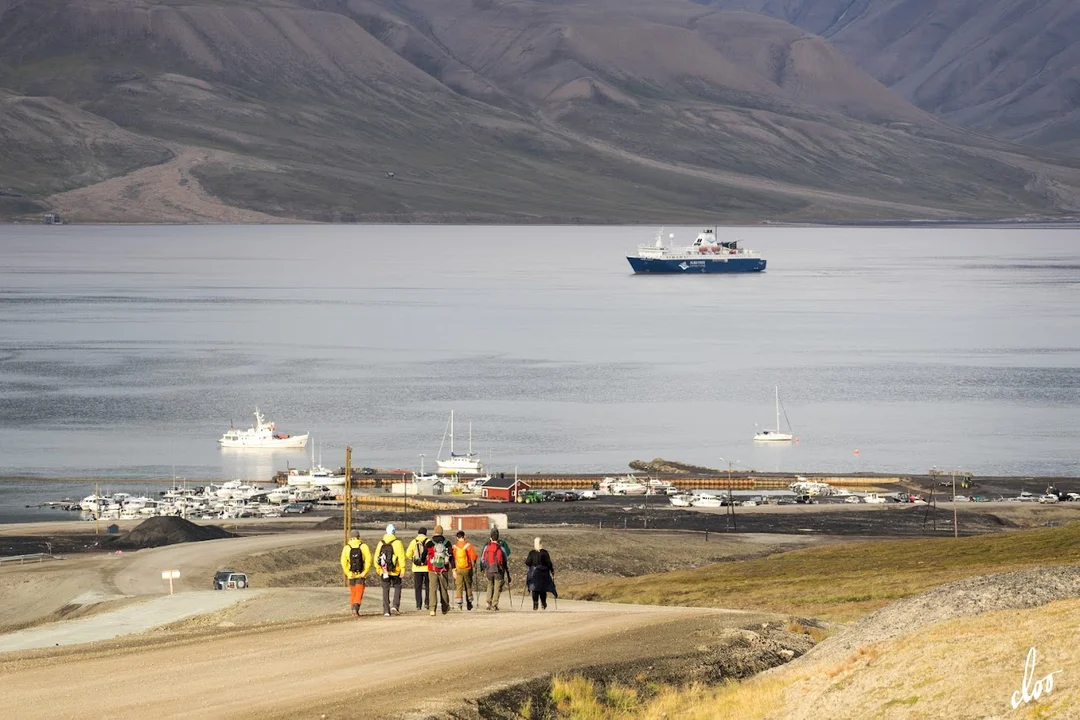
x=127, y=351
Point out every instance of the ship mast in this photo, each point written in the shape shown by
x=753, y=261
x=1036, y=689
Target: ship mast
x=776, y=390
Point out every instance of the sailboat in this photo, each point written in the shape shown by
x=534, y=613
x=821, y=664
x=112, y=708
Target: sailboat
x=775, y=435
x=317, y=475
x=467, y=464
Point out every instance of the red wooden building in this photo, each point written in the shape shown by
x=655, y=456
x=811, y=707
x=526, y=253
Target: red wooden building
x=506, y=489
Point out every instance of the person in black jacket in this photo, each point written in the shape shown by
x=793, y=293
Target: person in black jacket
x=541, y=578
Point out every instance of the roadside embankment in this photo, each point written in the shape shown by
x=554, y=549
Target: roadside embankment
x=846, y=581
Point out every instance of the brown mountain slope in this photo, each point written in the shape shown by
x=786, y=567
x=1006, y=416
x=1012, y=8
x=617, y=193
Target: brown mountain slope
x=496, y=110
x=48, y=145
x=1006, y=67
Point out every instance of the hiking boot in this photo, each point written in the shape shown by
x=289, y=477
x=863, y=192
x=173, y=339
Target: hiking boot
x=488, y=606
x=432, y=613
x=395, y=611
x=494, y=608
x=536, y=607
x=469, y=607
x=446, y=611
x=544, y=607
x=386, y=614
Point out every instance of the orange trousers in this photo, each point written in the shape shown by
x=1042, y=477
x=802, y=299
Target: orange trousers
x=356, y=592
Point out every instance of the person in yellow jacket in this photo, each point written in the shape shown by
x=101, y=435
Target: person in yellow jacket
x=417, y=555
x=390, y=564
x=356, y=564
x=464, y=559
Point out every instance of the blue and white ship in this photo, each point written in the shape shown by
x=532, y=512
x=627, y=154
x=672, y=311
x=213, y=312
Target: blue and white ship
x=706, y=255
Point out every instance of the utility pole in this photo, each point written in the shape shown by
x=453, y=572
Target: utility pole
x=955, y=529
x=731, y=501
x=348, y=493
x=732, y=523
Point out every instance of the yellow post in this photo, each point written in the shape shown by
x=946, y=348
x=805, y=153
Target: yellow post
x=348, y=492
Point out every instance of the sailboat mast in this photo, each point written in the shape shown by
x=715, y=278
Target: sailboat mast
x=451, y=433
x=470, y=438
x=776, y=390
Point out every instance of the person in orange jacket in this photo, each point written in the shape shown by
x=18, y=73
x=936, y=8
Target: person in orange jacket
x=464, y=559
x=356, y=564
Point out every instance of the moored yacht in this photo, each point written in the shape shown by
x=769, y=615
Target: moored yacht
x=625, y=485
x=458, y=465
x=262, y=435
x=775, y=435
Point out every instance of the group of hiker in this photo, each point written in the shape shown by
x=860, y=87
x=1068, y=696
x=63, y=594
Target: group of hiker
x=436, y=561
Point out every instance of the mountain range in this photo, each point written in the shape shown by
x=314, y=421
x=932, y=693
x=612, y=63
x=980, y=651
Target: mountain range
x=500, y=111
x=1010, y=68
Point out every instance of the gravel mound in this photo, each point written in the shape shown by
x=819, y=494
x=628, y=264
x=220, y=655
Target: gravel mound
x=158, y=531
x=1016, y=590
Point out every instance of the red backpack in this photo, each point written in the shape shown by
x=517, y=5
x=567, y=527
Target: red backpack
x=493, y=558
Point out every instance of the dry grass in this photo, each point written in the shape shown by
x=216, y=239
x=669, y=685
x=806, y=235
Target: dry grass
x=962, y=668
x=581, y=699
x=847, y=581
x=965, y=668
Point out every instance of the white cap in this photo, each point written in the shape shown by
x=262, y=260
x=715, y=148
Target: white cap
x=390, y=529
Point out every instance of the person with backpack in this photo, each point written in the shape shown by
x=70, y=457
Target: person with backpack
x=417, y=554
x=390, y=564
x=355, y=563
x=493, y=561
x=440, y=561
x=541, y=577
x=464, y=559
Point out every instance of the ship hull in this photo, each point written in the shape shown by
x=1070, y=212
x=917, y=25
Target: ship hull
x=695, y=266
x=293, y=442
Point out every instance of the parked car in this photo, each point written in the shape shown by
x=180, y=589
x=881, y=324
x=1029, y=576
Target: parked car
x=296, y=509
x=368, y=470
x=1048, y=498
x=587, y=494
x=230, y=580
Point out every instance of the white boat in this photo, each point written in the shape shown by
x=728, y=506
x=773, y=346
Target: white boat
x=467, y=464
x=657, y=486
x=802, y=486
x=775, y=435
x=707, y=501
x=316, y=475
x=680, y=500
x=625, y=485
x=95, y=503
x=262, y=435
x=874, y=499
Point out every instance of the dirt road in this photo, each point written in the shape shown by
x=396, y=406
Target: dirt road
x=354, y=668
x=140, y=572
x=285, y=652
